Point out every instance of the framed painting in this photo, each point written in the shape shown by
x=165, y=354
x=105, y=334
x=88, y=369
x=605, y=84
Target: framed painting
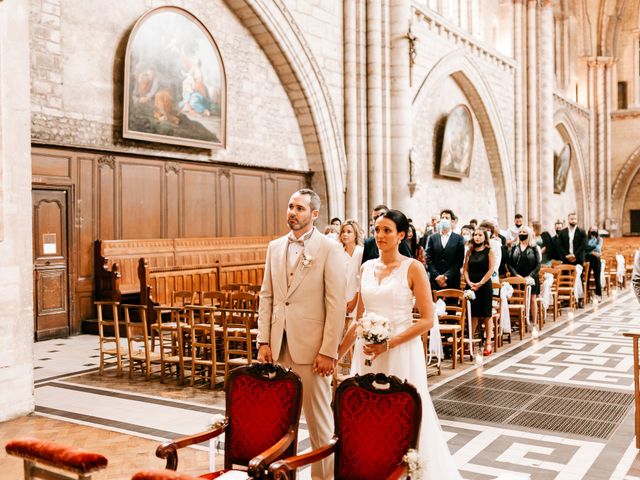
x=174, y=82
x=561, y=164
x=457, y=145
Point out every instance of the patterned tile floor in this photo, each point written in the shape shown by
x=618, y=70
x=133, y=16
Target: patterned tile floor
x=76, y=405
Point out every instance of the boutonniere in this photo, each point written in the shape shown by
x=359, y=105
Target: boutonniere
x=307, y=260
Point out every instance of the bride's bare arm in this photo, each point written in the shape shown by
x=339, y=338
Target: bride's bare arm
x=350, y=337
x=419, y=285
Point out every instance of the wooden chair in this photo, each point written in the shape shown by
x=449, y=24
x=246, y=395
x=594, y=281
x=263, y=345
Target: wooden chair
x=377, y=420
x=554, y=291
x=263, y=403
x=453, y=321
x=38, y=454
x=566, y=285
x=244, y=301
x=254, y=288
x=214, y=299
x=140, y=351
x=517, y=303
x=161, y=475
x=239, y=329
x=204, y=348
x=181, y=298
x=172, y=341
x=110, y=347
x=635, y=335
x=586, y=272
x=234, y=287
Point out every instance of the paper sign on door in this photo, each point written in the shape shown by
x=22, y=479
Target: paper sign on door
x=49, y=244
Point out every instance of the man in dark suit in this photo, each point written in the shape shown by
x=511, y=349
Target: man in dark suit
x=445, y=254
x=573, y=241
x=371, y=249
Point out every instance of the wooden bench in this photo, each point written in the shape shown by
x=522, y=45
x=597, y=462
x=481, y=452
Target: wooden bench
x=117, y=261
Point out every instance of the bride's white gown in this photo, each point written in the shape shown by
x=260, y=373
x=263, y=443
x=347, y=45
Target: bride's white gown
x=393, y=299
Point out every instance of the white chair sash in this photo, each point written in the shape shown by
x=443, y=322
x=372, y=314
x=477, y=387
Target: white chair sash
x=547, y=292
x=506, y=291
x=527, y=300
x=621, y=269
x=469, y=327
x=603, y=268
x=435, y=342
x=577, y=286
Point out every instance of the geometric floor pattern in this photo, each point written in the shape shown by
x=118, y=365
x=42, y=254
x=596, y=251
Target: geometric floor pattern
x=575, y=369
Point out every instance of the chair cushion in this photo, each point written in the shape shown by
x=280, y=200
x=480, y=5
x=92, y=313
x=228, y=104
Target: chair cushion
x=374, y=433
x=262, y=413
x=56, y=455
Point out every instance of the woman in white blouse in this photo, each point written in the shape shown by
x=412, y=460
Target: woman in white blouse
x=351, y=239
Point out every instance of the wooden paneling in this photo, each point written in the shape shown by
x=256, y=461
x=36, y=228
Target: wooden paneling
x=50, y=165
x=140, y=200
x=120, y=197
x=199, y=204
x=249, y=204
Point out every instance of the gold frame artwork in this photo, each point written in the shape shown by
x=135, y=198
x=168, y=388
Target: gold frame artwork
x=457, y=144
x=174, y=82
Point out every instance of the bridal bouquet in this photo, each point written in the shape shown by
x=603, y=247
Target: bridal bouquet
x=469, y=294
x=373, y=328
x=412, y=459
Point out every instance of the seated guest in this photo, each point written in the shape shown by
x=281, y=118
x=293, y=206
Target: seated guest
x=593, y=251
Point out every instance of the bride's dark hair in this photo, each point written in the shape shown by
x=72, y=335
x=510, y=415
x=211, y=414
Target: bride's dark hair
x=399, y=218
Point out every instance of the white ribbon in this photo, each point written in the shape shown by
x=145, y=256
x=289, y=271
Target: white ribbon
x=547, y=292
x=577, y=286
x=435, y=341
x=469, y=325
x=621, y=269
x=527, y=300
x=603, y=268
x=506, y=291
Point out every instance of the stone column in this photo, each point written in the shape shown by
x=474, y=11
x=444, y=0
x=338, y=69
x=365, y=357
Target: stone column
x=546, y=63
x=374, y=102
x=600, y=80
x=519, y=118
x=16, y=264
x=350, y=107
x=400, y=104
x=532, y=110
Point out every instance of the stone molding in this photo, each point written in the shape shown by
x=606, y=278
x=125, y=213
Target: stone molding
x=107, y=161
x=172, y=167
x=571, y=105
x=448, y=29
x=622, y=184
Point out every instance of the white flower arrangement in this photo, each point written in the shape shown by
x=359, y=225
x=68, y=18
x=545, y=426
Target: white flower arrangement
x=307, y=260
x=412, y=459
x=217, y=421
x=530, y=281
x=469, y=295
x=373, y=328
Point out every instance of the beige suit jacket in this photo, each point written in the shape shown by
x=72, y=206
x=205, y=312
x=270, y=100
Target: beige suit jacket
x=312, y=309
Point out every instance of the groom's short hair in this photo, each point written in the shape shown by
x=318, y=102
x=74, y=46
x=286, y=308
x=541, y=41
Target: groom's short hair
x=314, y=199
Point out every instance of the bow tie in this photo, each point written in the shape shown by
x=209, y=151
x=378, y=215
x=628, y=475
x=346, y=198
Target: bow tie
x=296, y=241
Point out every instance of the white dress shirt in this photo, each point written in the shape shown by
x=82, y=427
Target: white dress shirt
x=444, y=239
x=572, y=232
x=293, y=252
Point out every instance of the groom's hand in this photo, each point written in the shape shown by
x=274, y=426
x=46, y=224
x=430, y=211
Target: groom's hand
x=265, y=355
x=323, y=365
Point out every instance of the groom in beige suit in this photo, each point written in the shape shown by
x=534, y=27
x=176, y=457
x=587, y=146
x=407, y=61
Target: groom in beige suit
x=302, y=310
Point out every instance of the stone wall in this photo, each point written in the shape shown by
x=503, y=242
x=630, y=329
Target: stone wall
x=77, y=83
x=475, y=196
x=16, y=285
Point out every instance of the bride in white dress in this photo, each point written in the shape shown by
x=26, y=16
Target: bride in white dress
x=389, y=286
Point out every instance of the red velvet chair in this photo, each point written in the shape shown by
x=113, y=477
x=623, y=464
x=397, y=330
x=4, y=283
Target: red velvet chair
x=263, y=403
x=377, y=420
x=161, y=475
x=37, y=452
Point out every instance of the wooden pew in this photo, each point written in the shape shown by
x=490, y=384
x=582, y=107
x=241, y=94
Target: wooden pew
x=117, y=261
x=157, y=283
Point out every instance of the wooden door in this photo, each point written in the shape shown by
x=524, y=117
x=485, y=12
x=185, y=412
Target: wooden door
x=51, y=266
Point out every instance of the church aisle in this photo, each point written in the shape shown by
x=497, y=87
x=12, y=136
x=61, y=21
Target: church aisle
x=555, y=407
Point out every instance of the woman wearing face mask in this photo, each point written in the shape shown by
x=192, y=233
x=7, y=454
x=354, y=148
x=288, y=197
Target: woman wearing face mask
x=351, y=240
x=593, y=251
x=478, y=268
x=524, y=261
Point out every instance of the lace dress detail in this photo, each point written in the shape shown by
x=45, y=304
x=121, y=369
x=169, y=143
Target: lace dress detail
x=392, y=298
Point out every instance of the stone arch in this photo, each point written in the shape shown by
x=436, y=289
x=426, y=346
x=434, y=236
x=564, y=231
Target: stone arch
x=282, y=40
x=460, y=66
x=563, y=123
x=622, y=184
